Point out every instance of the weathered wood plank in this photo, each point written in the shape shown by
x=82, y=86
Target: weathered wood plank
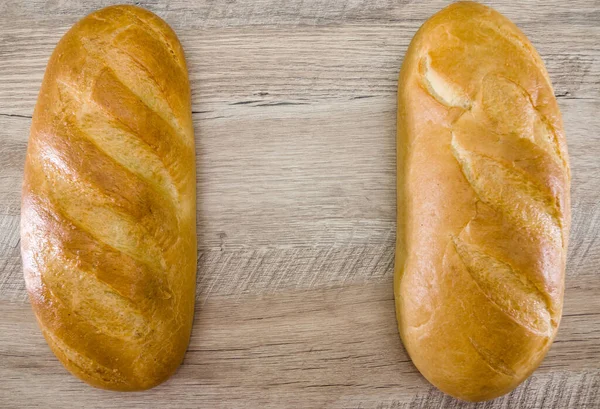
x=299, y=348
x=280, y=188
x=308, y=176
x=297, y=64
x=269, y=271
x=216, y=14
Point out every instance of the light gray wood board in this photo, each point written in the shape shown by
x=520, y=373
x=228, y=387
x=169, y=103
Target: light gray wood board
x=301, y=176
x=294, y=107
x=262, y=229
x=334, y=347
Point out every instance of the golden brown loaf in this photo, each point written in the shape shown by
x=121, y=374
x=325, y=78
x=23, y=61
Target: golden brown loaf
x=483, y=200
x=108, y=224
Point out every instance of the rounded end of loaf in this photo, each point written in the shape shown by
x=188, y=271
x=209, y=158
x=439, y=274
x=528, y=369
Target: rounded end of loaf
x=128, y=385
x=128, y=373
x=478, y=375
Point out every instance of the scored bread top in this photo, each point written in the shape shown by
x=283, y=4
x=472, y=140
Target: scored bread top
x=109, y=200
x=484, y=207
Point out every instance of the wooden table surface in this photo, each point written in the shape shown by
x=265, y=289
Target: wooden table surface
x=294, y=107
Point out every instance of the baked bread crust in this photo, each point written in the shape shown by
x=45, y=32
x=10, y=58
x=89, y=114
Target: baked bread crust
x=483, y=204
x=108, y=223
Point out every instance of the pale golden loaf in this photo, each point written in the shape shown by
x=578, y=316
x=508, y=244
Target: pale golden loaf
x=108, y=223
x=483, y=204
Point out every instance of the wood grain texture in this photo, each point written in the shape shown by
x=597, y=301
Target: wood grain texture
x=294, y=110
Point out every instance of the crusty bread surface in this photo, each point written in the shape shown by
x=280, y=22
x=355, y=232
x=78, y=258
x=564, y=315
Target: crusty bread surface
x=108, y=223
x=483, y=204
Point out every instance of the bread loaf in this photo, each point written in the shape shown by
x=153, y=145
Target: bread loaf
x=108, y=231
x=483, y=204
